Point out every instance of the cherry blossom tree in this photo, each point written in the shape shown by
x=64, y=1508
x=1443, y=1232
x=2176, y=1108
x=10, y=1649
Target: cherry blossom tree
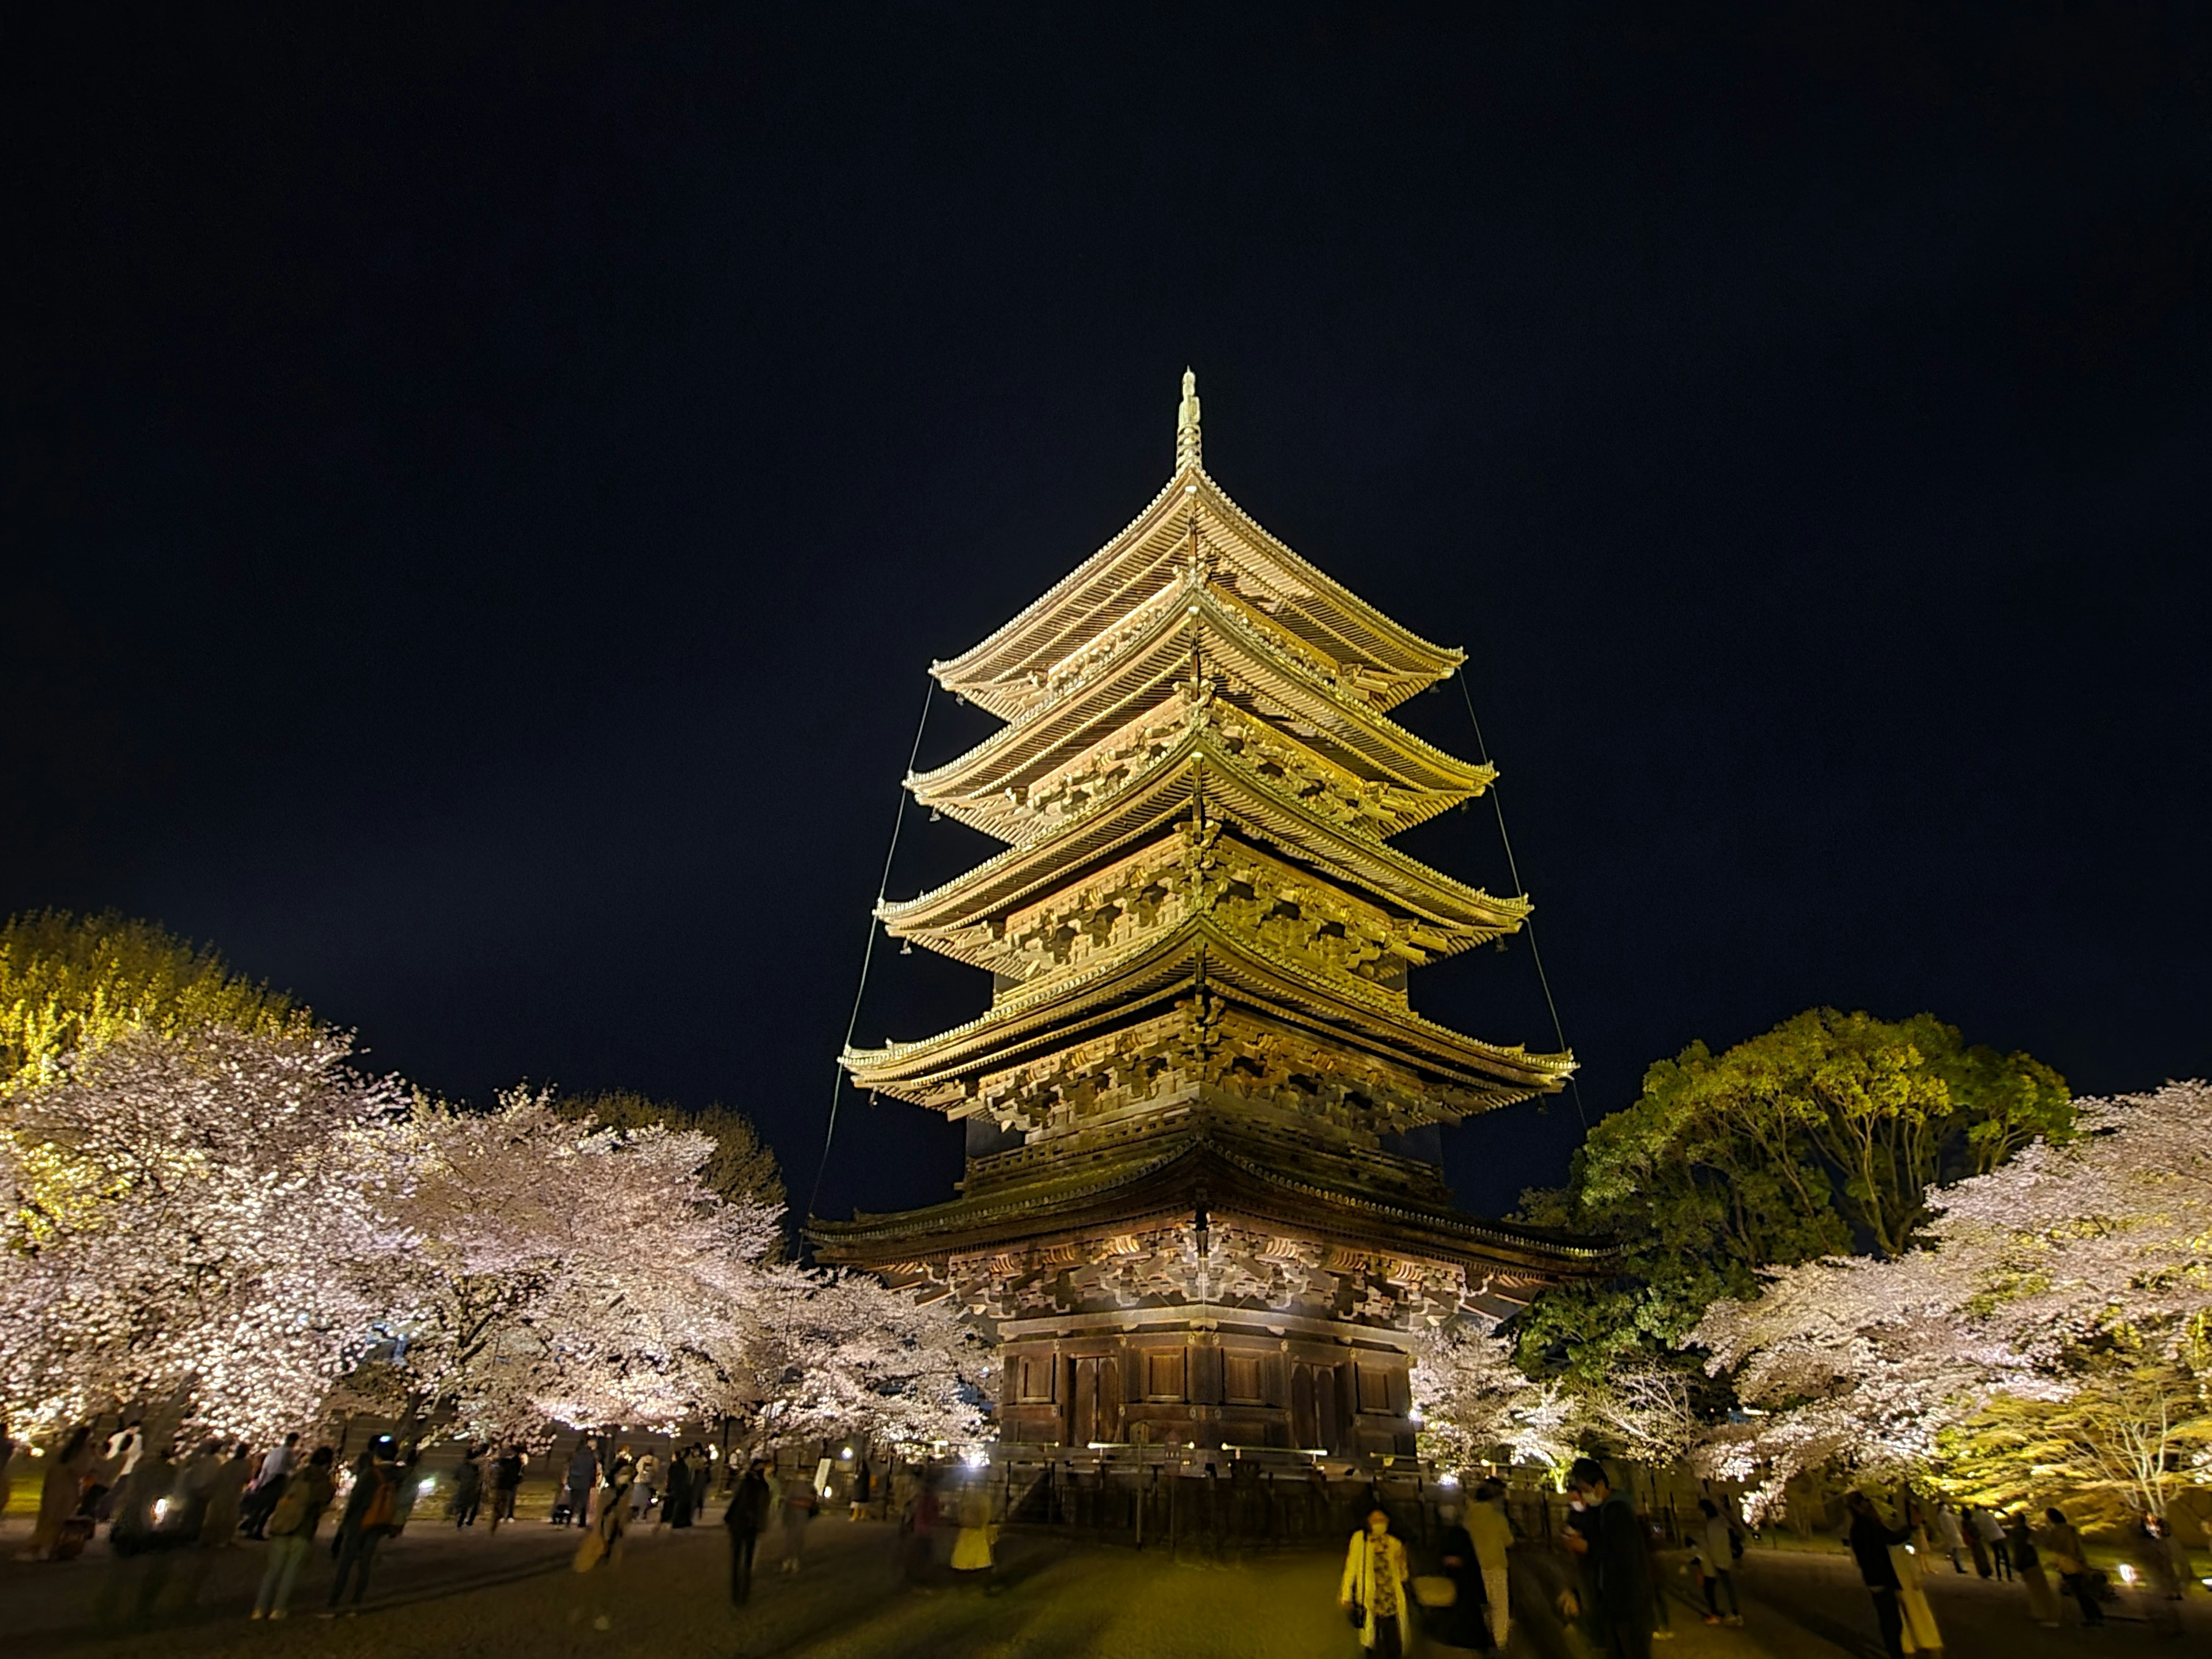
x=181, y=1214
x=1477, y=1406
x=554, y=1270
x=2060, y=1301
x=835, y=1353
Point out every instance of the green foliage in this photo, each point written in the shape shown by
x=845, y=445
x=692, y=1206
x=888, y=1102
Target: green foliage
x=743, y=1166
x=1819, y=1138
x=70, y=983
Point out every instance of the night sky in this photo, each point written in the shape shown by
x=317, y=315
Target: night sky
x=483, y=498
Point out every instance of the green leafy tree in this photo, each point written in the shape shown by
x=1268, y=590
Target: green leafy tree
x=1819, y=1138
x=71, y=983
x=743, y=1169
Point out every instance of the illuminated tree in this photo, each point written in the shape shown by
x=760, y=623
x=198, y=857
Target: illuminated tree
x=2052, y=1329
x=557, y=1271
x=1477, y=1407
x=70, y=984
x=742, y=1167
x=183, y=1212
x=837, y=1353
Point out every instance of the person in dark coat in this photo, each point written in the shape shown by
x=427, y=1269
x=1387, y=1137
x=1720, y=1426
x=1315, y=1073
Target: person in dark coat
x=468, y=1487
x=745, y=1517
x=371, y=1515
x=1616, y=1560
x=1464, y=1624
x=506, y=1482
x=1870, y=1537
x=583, y=1480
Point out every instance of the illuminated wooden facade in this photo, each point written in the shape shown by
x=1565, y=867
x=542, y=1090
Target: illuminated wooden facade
x=1203, y=1201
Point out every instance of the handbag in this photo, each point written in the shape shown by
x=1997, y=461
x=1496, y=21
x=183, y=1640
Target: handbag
x=1357, y=1615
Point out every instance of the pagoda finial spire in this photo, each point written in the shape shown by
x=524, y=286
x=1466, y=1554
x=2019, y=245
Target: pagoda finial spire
x=1187, y=439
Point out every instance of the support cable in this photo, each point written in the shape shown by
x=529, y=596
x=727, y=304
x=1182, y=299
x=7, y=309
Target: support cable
x=1513, y=871
x=868, y=955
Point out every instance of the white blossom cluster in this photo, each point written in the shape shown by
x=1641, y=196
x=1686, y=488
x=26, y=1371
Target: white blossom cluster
x=1865, y=1362
x=229, y=1231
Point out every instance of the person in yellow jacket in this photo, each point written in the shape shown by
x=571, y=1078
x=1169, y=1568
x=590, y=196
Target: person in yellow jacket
x=1374, y=1574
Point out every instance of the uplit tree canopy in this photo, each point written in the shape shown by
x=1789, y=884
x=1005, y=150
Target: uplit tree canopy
x=1820, y=1138
x=180, y=1211
x=2053, y=1327
x=560, y=1271
x=836, y=1353
x=70, y=984
x=742, y=1167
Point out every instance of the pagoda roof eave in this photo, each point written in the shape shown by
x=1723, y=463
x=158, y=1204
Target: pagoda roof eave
x=1157, y=1186
x=1157, y=969
x=981, y=672
x=971, y=786
x=1200, y=765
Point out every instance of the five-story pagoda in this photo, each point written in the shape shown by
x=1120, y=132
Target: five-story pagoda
x=1203, y=1203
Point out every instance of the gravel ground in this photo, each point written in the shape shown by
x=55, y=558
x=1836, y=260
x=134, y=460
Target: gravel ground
x=470, y=1597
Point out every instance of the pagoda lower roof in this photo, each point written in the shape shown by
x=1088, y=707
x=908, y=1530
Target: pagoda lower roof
x=986, y=787
x=941, y=1071
x=1199, y=771
x=1162, y=1181
x=1007, y=672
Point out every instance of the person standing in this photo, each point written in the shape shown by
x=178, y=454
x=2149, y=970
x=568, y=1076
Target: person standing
x=468, y=1487
x=1616, y=1555
x=1990, y=1533
x=642, y=1488
x=268, y=1485
x=371, y=1514
x=675, y=1508
x=1977, y=1540
x=799, y=1503
x=1870, y=1537
x=226, y=1498
x=863, y=1485
x=1487, y=1525
x=745, y=1518
x=2020, y=1547
x=1464, y=1624
x=506, y=1482
x=1952, y=1536
x=59, y=1493
x=7, y=1457
x=2161, y=1584
x=1373, y=1587
x=2063, y=1546
x=583, y=1480
x=1720, y=1566
x=290, y=1525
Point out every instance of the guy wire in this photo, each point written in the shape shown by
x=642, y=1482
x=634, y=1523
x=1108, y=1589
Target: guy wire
x=868, y=955
x=1513, y=870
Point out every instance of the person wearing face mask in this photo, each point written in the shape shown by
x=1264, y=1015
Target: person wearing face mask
x=1606, y=1534
x=1373, y=1590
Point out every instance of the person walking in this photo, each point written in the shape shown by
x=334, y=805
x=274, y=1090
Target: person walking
x=863, y=1486
x=2027, y=1565
x=2063, y=1546
x=920, y=1525
x=1720, y=1566
x=745, y=1518
x=468, y=1487
x=583, y=1480
x=268, y=1484
x=1616, y=1560
x=799, y=1504
x=1952, y=1536
x=1463, y=1623
x=1372, y=1590
x=506, y=1482
x=59, y=1493
x=1976, y=1541
x=642, y=1489
x=371, y=1515
x=1990, y=1532
x=682, y=1501
x=2155, y=1571
x=225, y=1499
x=1493, y=1535
x=290, y=1526
x=1870, y=1537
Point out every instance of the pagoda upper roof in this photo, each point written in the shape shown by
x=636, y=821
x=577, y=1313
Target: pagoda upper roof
x=1200, y=769
x=1016, y=667
x=1172, y=963
x=987, y=787
x=1162, y=1181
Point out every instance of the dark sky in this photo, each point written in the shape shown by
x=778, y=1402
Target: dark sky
x=483, y=497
